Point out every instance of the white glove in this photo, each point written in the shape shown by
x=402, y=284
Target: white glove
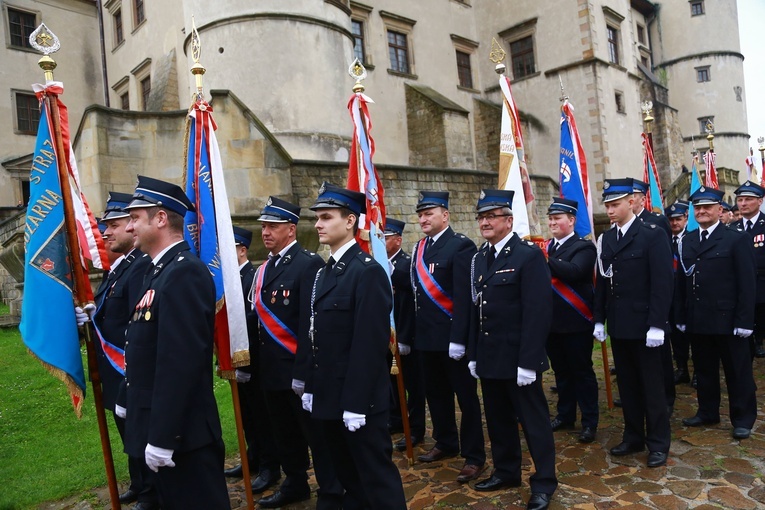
x=157, y=457
x=681, y=328
x=471, y=366
x=404, y=349
x=84, y=315
x=526, y=377
x=456, y=351
x=307, y=400
x=242, y=376
x=743, y=333
x=120, y=411
x=354, y=421
x=654, y=337
x=600, y=332
x=298, y=387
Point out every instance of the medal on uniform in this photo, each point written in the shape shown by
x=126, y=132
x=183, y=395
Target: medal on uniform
x=147, y=315
x=286, y=295
x=273, y=297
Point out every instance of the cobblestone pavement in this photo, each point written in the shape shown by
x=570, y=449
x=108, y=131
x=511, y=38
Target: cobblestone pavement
x=707, y=469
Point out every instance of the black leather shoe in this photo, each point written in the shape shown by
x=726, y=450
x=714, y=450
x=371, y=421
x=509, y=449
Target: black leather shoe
x=554, y=389
x=494, y=483
x=557, y=424
x=266, y=478
x=759, y=350
x=697, y=421
x=279, y=499
x=695, y=381
x=681, y=376
x=401, y=443
x=612, y=370
x=741, y=432
x=145, y=505
x=587, y=435
x=617, y=402
x=538, y=501
x=435, y=454
x=625, y=449
x=234, y=472
x=656, y=459
x=128, y=496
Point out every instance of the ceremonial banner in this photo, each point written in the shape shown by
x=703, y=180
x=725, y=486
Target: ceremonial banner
x=573, y=179
x=695, y=185
x=210, y=234
x=710, y=179
x=513, y=173
x=751, y=170
x=653, y=197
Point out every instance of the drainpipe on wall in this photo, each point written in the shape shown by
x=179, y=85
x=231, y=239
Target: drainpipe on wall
x=103, y=52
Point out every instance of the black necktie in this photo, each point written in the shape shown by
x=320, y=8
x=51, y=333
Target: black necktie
x=618, y=234
x=553, y=248
x=271, y=262
x=330, y=264
x=428, y=244
x=674, y=241
x=748, y=225
x=704, y=234
x=491, y=256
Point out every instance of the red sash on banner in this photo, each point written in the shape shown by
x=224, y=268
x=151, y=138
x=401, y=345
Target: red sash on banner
x=275, y=327
x=429, y=285
x=570, y=296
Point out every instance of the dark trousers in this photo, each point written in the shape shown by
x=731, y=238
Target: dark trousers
x=331, y=494
x=571, y=359
x=286, y=415
x=414, y=387
x=445, y=377
x=733, y=352
x=641, y=388
x=362, y=460
x=258, y=431
x=681, y=347
x=504, y=401
x=759, y=327
x=196, y=481
x=669, y=372
x=142, y=479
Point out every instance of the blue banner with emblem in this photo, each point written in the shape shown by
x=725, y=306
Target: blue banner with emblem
x=48, y=325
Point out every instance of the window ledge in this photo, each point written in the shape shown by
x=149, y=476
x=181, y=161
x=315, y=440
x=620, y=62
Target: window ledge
x=120, y=45
x=402, y=75
x=139, y=26
x=368, y=67
x=468, y=89
x=22, y=48
x=524, y=78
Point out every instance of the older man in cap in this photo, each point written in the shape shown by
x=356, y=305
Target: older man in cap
x=510, y=321
x=258, y=430
x=633, y=294
x=403, y=314
x=114, y=299
x=571, y=260
x=172, y=416
x=718, y=313
x=347, y=387
x=441, y=281
x=677, y=214
x=749, y=201
x=281, y=300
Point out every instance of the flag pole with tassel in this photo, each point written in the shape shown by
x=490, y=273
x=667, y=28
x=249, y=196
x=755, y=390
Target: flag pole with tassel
x=198, y=70
x=45, y=41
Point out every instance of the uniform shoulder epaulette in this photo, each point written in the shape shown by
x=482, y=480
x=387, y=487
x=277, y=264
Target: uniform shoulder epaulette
x=530, y=243
x=461, y=236
x=308, y=252
x=365, y=257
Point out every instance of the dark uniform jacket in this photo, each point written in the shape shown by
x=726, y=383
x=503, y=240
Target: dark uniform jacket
x=573, y=263
x=652, y=218
x=403, y=298
x=718, y=294
x=450, y=258
x=247, y=275
x=639, y=293
x=511, y=321
x=289, y=284
x=169, y=358
x=115, y=299
x=758, y=233
x=349, y=370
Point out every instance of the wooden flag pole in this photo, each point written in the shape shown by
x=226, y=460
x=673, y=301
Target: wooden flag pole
x=242, y=444
x=404, y=407
x=607, y=372
x=47, y=64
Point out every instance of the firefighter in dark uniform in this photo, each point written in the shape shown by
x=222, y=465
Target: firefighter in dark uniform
x=510, y=322
x=640, y=189
x=172, y=417
x=677, y=214
x=749, y=200
x=441, y=282
x=633, y=294
x=114, y=299
x=280, y=298
x=347, y=388
x=258, y=429
x=403, y=314
x=718, y=313
x=571, y=260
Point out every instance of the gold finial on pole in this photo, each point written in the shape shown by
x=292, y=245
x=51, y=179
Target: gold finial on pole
x=497, y=55
x=709, y=127
x=197, y=69
x=647, y=107
x=358, y=72
x=46, y=42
